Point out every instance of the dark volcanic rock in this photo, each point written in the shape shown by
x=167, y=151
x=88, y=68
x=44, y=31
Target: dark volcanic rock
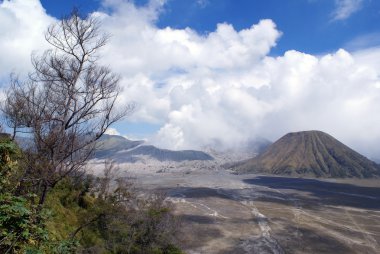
x=310, y=153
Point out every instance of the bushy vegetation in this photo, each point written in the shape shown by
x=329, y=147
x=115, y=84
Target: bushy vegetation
x=82, y=214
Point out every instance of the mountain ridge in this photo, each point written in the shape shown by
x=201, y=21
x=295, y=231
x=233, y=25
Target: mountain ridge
x=310, y=153
x=122, y=150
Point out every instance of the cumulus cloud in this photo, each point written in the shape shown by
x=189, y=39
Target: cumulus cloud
x=345, y=8
x=112, y=131
x=22, y=27
x=223, y=88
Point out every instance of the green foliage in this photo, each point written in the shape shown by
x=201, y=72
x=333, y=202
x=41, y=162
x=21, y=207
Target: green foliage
x=21, y=223
x=108, y=225
x=148, y=229
x=21, y=226
x=9, y=153
x=82, y=214
x=65, y=247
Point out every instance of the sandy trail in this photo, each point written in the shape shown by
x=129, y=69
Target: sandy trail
x=371, y=242
x=207, y=211
x=265, y=243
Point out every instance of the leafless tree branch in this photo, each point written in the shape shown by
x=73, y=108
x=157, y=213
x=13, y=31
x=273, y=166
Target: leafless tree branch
x=67, y=103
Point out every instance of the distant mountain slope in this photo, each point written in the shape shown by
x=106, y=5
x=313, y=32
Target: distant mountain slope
x=310, y=153
x=121, y=150
x=166, y=155
x=109, y=145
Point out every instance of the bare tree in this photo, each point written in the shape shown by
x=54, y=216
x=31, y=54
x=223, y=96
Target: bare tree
x=66, y=104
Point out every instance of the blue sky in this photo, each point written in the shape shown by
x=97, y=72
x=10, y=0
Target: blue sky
x=307, y=25
x=223, y=72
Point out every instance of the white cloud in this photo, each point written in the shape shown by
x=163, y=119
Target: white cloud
x=22, y=27
x=112, y=131
x=345, y=8
x=224, y=88
x=364, y=41
x=203, y=3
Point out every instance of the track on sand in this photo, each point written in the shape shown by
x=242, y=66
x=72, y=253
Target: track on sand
x=225, y=213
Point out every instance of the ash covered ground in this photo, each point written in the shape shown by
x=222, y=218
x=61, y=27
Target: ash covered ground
x=226, y=213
